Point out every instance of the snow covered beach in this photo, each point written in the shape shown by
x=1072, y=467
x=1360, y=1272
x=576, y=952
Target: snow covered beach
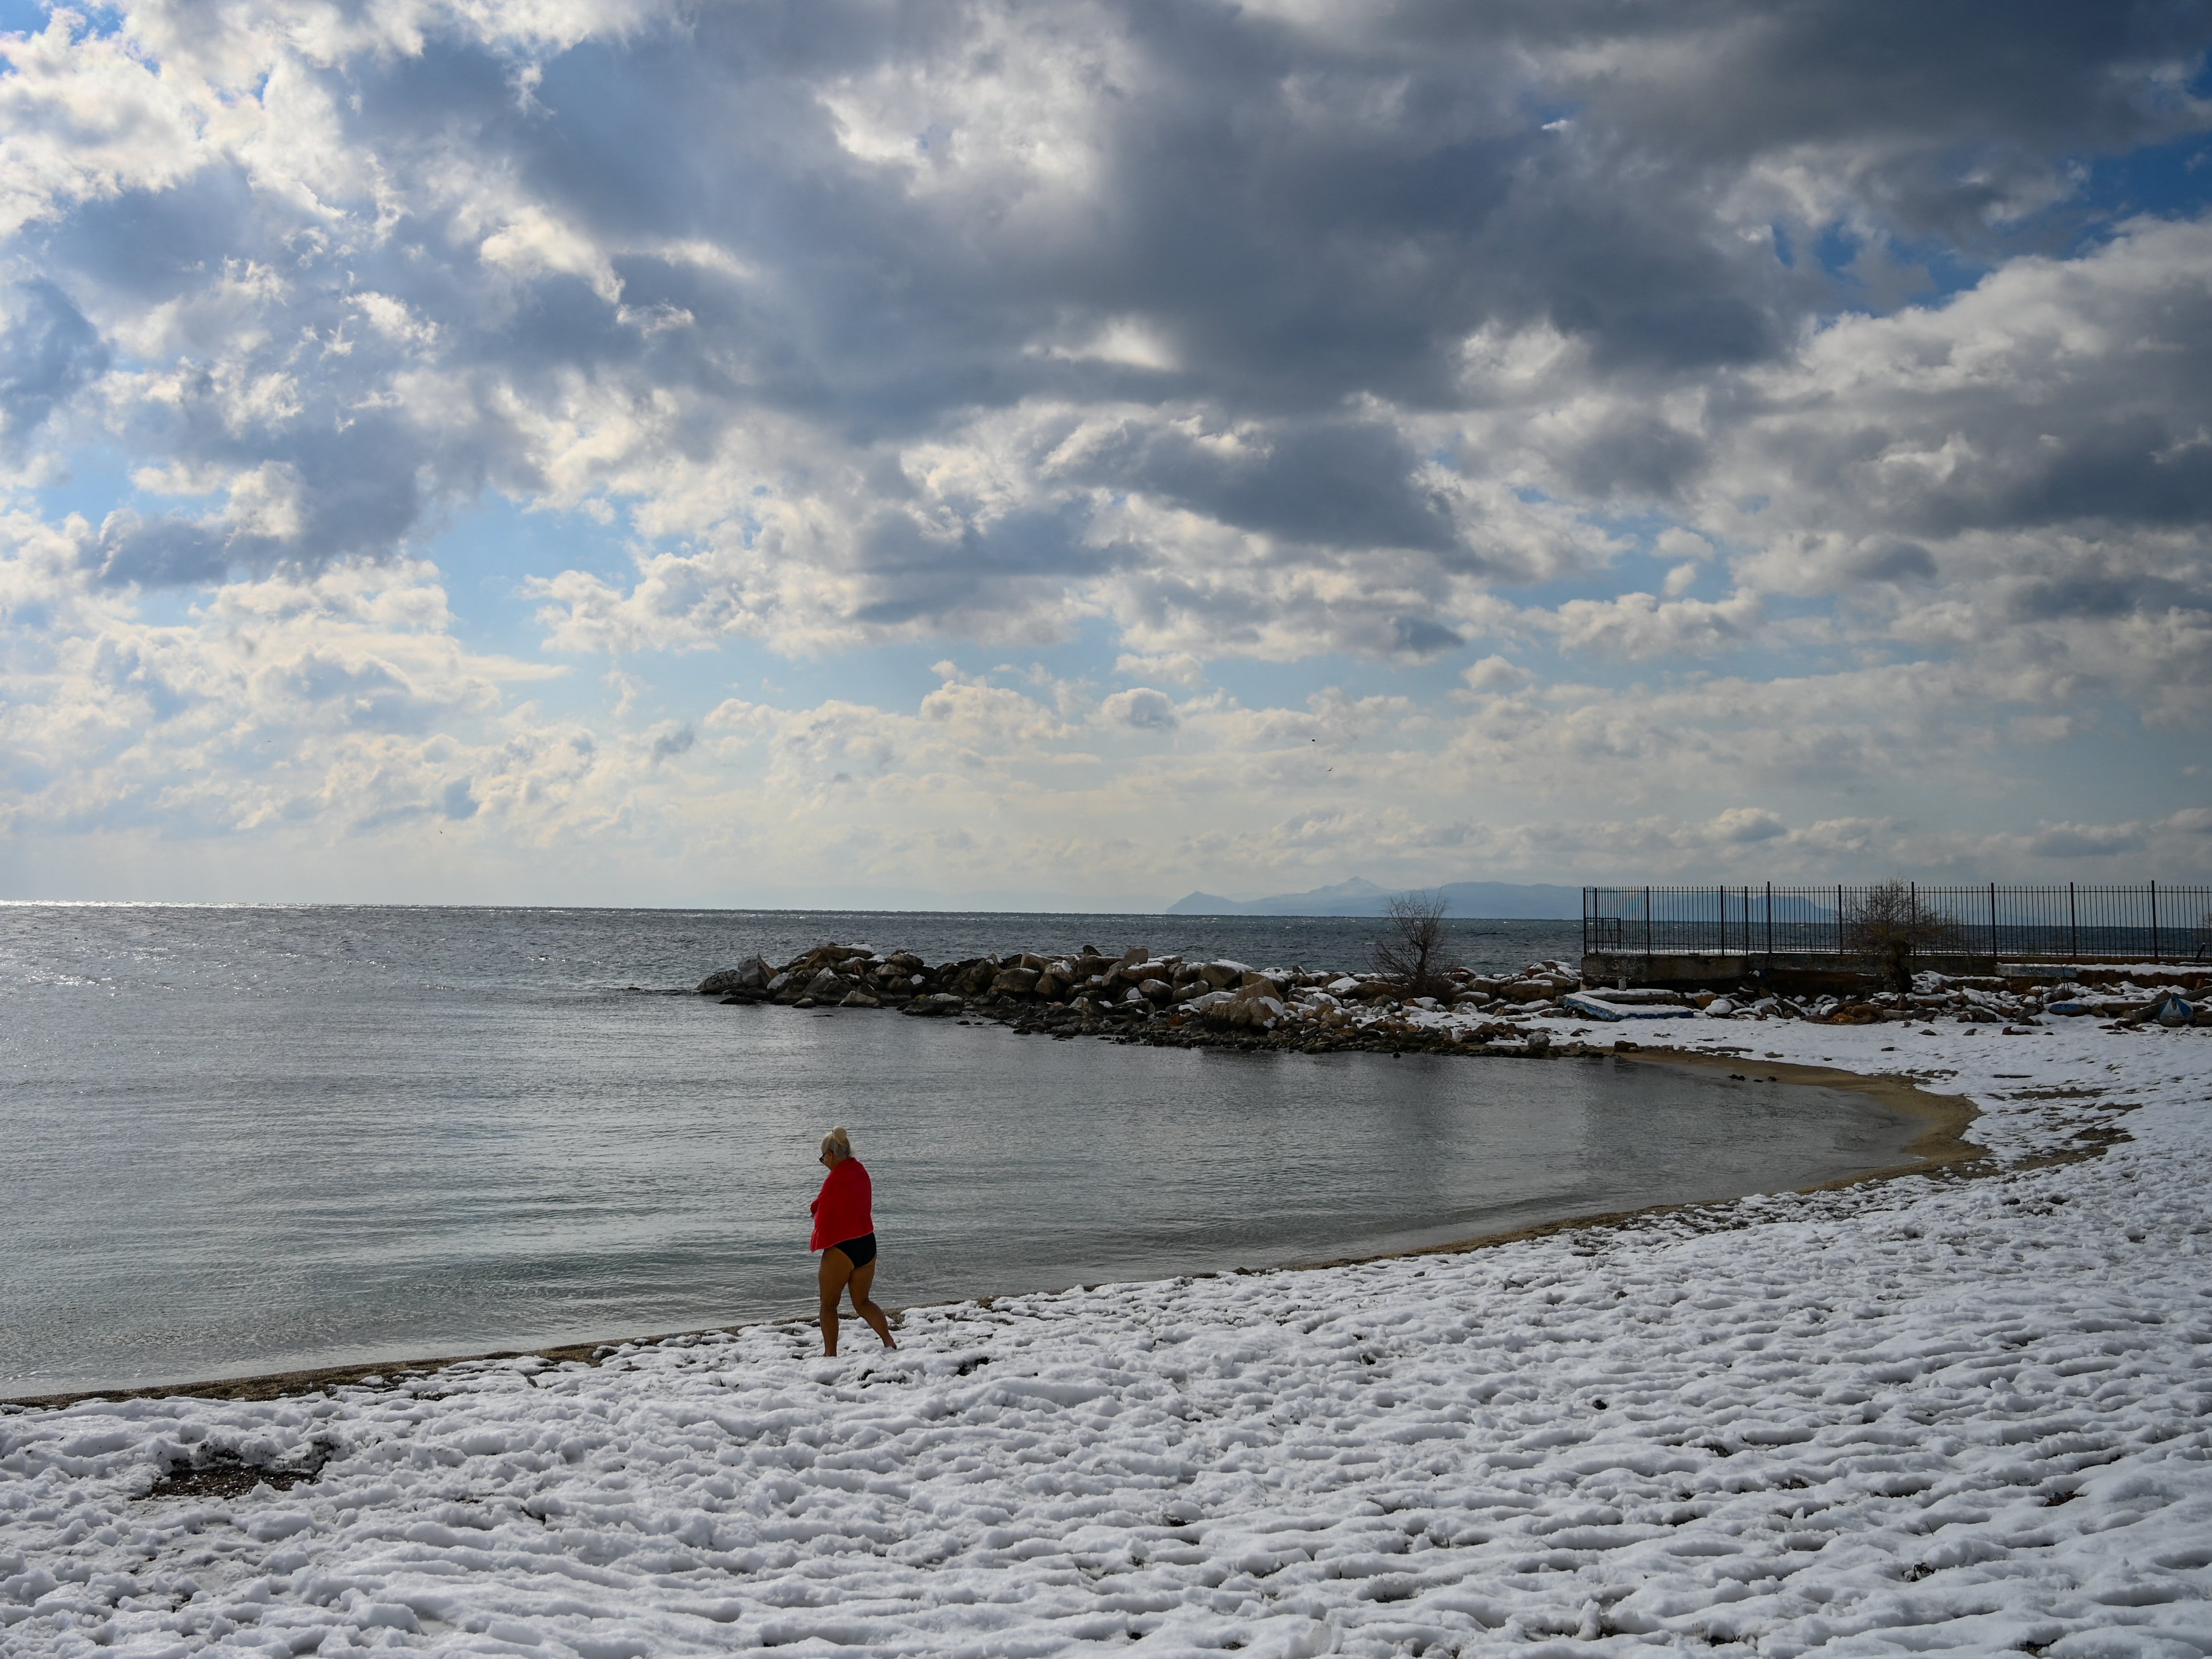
x=1959, y=1412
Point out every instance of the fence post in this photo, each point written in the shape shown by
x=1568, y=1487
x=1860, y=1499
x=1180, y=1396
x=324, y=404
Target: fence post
x=2072, y=926
x=2155, y=954
x=1993, y=927
x=1647, y=924
x=1770, y=924
x=1839, y=918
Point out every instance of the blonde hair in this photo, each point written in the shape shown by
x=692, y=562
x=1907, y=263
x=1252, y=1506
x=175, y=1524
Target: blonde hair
x=839, y=1141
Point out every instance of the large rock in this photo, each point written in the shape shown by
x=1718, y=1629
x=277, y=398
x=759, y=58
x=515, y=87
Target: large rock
x=750, y=974
x=1535, y=990
x=828, y=986
x=1015, y=982
x=824, y=955
x=1251, y=1007
x=1260, y=1012
x=937, y=1002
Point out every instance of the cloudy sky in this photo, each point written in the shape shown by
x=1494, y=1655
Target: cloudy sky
x=1067, y=453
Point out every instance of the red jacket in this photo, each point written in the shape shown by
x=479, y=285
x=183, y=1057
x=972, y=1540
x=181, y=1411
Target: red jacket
x=841, y=1209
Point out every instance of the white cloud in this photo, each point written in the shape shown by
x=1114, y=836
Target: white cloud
x=1748, y=824
x=84, y=118
x=1637, y=627
x=1140, y=709
x=1495, y=673
x=1158, y=348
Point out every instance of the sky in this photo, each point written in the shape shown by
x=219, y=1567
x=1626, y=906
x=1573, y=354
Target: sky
x=1066, y=453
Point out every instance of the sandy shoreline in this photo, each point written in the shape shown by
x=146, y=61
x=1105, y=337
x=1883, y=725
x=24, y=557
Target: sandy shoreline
x=1940, y=1144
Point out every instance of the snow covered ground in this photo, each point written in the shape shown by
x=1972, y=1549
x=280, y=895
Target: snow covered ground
x=1931, y=1414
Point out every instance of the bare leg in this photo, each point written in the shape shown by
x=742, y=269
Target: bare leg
x=836, y=1269
x=863, y=1280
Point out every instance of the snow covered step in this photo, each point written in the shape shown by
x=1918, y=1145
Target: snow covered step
x=1612, y=1006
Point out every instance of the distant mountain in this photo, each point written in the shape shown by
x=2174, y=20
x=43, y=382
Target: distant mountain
x=1358, y=897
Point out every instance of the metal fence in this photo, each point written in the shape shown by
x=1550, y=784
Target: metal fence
x=2149, y=923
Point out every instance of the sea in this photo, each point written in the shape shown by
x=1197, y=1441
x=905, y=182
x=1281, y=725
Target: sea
x=236, y=1141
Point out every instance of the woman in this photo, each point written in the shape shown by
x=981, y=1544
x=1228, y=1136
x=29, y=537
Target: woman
x=845, y=1233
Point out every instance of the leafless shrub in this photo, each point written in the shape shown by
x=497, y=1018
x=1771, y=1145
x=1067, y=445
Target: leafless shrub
x=1413, y=952
x=1889, y=923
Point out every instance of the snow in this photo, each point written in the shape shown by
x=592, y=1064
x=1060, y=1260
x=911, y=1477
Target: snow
x=1615, y=1006
x=1963, y=1413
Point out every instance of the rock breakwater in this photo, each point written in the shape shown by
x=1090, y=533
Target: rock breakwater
x=1137, y=997
x=1168, y=1001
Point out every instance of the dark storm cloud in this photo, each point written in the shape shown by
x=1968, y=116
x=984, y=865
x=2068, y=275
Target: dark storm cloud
x=1335, y=483
x=2136, y=469
x=1308, y=220
x=1634, y=455
x=911, y=571
x=2114, y=590
x=1890, y=561
x=2025, y=70
x=1417, y=636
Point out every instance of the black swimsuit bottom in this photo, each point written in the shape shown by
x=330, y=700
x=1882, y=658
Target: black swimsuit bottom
x=859, y=1251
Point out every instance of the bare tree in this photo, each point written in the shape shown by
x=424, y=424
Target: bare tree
x=1889, y=923
x=1413, y=952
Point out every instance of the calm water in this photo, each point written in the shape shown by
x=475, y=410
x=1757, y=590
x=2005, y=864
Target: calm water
x=234, y=1140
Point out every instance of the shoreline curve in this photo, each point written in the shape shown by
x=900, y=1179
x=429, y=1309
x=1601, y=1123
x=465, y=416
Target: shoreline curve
x=1940, y=1144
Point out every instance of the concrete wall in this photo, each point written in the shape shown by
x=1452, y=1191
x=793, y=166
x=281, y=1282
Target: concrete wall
x=1791, y=972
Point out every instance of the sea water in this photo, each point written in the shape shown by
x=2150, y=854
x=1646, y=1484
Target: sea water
x=235, y=1140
